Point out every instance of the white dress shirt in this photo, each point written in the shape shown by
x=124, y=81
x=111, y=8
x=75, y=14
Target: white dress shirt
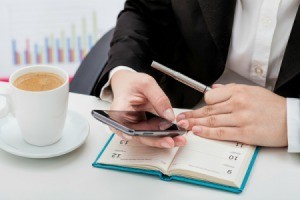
x=260, y=33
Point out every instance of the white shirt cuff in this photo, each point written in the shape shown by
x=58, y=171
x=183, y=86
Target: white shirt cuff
x=106, y=93
x=293, y=124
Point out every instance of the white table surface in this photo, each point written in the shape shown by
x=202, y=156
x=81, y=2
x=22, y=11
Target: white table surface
x=275, y=175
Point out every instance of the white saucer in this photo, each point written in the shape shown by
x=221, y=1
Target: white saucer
x=75, y=133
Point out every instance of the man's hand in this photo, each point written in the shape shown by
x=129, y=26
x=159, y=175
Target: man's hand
x=140, y=92
x=247, y=114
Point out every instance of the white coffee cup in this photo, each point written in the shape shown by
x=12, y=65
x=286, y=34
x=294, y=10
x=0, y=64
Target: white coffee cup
x=40, y=114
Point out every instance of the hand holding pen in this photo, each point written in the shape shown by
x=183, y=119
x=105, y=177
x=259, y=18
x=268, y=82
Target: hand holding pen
x=235, y=112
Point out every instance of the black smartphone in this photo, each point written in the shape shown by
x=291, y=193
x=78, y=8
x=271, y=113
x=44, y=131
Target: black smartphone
x=140, y=123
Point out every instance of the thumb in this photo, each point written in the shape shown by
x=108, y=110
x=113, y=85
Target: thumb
x=159, y=100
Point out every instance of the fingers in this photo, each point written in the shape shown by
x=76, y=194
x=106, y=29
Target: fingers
x=220, y=133
x=140, y=92
x=222, y=120
x=164, y=142
x=221, y=108
x=158, y=99
x=220, y=93
x=180, y=141
x=217, y=94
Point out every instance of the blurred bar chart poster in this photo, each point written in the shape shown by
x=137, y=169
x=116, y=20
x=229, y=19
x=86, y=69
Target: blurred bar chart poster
x=52, y=32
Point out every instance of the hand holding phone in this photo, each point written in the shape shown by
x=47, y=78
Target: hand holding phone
x=138, y=123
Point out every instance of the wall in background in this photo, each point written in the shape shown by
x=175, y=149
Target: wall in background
x=52, y=32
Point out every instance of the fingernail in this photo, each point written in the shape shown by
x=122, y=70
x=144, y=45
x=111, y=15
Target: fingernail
x=180, y=117
x=197, y=129
x=183, y=123
x=166, y=145
x=169, y=114
x=127, y=137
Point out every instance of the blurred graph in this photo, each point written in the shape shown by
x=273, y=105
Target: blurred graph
x=53, y=32
x=67, y=48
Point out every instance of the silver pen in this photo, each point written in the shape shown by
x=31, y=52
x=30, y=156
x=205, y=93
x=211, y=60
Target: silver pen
x=180, y=77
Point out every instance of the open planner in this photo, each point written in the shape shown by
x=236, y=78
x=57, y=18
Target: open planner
x=218, y=164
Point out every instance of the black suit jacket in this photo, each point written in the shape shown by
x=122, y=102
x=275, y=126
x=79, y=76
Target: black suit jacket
x=193, y=37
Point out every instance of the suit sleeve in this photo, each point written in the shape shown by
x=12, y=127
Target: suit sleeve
x=144, y=32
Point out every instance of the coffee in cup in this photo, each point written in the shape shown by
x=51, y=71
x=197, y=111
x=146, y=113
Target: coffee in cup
x=38, y=99
x=38, y=81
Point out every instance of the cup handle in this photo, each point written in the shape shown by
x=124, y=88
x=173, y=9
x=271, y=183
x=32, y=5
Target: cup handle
x=4, y=102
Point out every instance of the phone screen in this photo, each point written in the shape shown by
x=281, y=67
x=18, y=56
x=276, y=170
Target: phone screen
x=140, y=121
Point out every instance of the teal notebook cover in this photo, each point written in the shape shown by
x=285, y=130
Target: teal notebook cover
x=177, y=178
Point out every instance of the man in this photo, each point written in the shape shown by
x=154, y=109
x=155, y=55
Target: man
x=254, y=38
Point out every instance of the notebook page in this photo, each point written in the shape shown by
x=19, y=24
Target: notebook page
x=133, y=154
x=215, y=161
